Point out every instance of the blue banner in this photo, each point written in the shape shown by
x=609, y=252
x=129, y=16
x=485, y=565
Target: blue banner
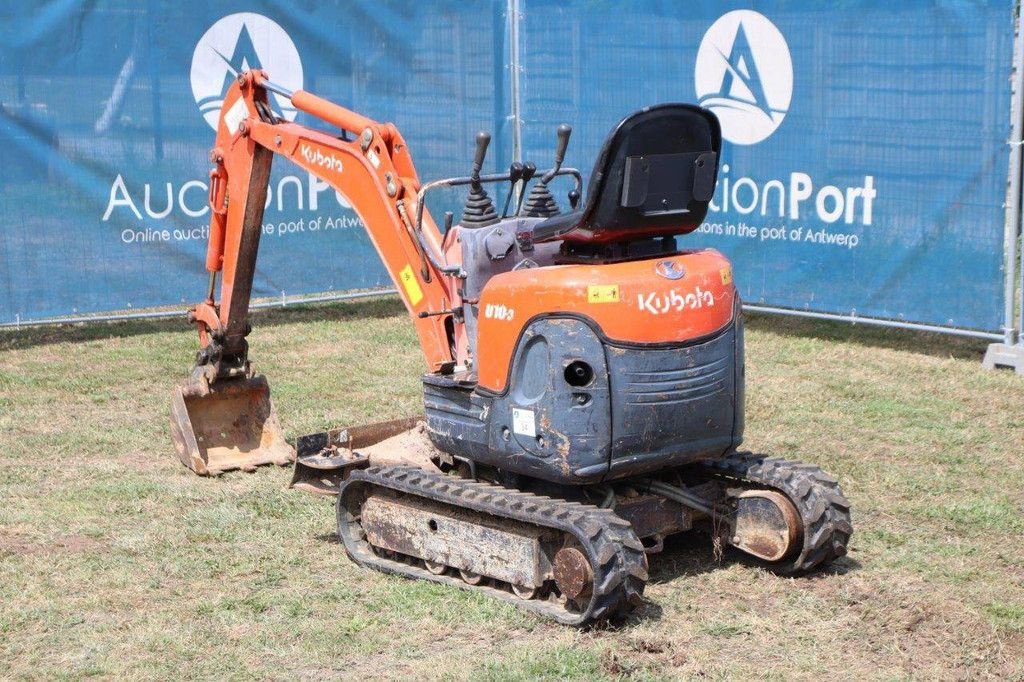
x=864, y=165
x=108, y=114
x=865, y=151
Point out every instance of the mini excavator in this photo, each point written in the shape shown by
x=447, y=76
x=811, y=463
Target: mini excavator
x=584, y=392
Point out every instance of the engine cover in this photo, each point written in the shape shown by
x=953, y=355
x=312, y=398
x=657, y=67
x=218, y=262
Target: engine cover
x=581, y=408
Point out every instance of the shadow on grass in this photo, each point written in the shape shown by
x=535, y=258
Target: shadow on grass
x=689, y=554
x=297, y=313
x=685, y=556
x=906, y=340
x=329, y=538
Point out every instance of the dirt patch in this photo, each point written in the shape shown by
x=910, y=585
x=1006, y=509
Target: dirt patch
x=411, y=447
x=70, y=544
x=12, y=544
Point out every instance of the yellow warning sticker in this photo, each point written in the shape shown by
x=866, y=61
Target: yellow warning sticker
x=603, y=293
x=726, y=275
x=411, y=285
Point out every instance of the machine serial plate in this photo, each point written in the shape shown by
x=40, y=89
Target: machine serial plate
x=524, y=422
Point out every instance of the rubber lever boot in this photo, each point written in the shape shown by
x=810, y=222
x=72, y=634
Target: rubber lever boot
x=540, y=203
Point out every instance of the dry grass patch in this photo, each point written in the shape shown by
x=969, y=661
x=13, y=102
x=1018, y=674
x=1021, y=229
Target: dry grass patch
x=117, y=561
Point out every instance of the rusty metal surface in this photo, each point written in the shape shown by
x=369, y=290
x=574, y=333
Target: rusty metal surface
x=456, y=538
x=322, y=473
x=572, y=573
x=653, y=515
x=230, y=424
x=326, y=458
x=607, y=542
x=767, y=524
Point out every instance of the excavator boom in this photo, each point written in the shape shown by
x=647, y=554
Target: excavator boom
x=222, y=415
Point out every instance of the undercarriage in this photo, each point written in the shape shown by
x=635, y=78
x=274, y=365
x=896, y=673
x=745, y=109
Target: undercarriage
x=573, y=554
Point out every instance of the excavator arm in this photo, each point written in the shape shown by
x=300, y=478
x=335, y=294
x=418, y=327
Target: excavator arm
x=375, y=174
x=222, y=416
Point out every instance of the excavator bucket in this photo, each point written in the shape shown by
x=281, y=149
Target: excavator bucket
x=230, y=424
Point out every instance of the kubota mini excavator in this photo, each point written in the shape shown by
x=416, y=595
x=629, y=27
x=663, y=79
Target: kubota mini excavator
x=584, y=393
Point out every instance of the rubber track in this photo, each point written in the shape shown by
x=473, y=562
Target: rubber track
x=823, y=508
x=615, y=553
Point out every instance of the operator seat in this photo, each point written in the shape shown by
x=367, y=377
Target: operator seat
x=655, y=176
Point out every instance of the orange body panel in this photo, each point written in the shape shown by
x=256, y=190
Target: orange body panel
x=628, y=302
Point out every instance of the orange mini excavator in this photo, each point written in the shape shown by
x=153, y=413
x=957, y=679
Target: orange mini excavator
x=584, y=388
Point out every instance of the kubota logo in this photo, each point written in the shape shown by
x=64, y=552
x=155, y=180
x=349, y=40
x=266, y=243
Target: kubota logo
x=328, y=160
x=669, y=269
x=744, y=74
x=660, y=303
x=237, y=43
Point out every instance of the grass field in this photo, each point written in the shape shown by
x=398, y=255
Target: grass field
x=116, y=561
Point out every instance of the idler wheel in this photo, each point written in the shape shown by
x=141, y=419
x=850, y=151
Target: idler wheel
x=768, y=526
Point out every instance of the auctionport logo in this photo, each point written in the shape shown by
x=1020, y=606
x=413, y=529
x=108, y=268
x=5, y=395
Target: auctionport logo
x=237, y=43
x=744, y=74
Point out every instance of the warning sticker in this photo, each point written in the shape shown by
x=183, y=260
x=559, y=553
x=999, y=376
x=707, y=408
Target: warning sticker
x=236, y=114
x=603, y=293
x=411, y=285
x=523, y=422
x=726, y=275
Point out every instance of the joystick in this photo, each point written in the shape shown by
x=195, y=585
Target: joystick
x=479, y=209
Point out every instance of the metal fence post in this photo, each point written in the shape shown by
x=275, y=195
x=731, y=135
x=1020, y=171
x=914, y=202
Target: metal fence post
x=515, y=67
x=1007, y=354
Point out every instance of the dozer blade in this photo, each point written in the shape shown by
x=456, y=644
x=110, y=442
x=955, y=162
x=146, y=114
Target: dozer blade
x=230, y=424
x=325, y=459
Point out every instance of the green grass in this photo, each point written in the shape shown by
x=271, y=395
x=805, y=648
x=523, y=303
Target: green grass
x=116, y=561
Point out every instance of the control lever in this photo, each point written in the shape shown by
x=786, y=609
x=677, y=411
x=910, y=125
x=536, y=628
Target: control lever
x=563, y=132
x=515, y=174
x=483, y=138
x=529, y=170
x=574, y=198
x=479, y=209
x=540, y=203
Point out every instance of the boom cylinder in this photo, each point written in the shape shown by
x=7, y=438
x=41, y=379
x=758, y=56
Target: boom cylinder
x=339, y=116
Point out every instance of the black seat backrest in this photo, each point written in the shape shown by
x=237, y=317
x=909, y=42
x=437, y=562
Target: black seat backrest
x=655, y=176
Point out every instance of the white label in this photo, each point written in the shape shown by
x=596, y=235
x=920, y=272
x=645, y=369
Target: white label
x=497, y=311
x=374, y=159
x=524, y=423
x=657, y=303
x=315, y=156
x=236, y=114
